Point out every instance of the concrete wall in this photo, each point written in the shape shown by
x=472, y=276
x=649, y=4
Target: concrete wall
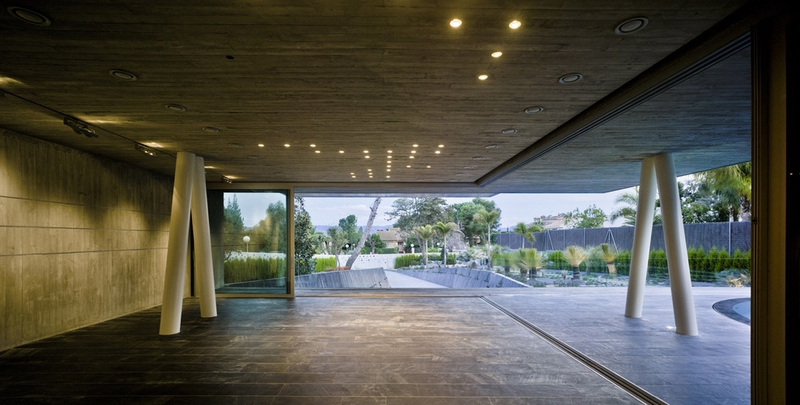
x=369, y=278
x=455, y=277
x=82, y=238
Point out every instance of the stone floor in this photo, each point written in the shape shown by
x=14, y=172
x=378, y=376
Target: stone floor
x=435, y=346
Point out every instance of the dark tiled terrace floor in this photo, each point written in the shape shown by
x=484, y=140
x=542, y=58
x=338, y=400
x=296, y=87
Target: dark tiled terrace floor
x=392, y=347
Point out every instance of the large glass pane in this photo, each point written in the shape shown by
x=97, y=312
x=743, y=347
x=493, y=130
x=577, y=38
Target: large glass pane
x=254, y=244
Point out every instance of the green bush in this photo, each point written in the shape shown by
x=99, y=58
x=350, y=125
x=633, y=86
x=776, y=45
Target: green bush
x=407, y=261
x=325, y=263
x=657, y=263
x=741, y=260
x=386, y=251
x=254, y=268
x=557, y=261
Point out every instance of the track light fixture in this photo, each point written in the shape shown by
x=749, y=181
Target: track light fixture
x=227, y=180
x=79, y=127
x=145, y=150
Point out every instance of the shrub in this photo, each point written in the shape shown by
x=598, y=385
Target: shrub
x=558, y=261
x=325, y=263
x=740, y=260
x=657, y=263
x=254, y=268
x=407, y=261
x=386, y=251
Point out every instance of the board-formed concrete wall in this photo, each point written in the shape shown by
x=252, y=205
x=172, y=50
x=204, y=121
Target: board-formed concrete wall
x=82, y=238
x=459, y=277
x=368, y=278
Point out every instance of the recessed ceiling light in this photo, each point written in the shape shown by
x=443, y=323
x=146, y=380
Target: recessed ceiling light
x=341, y=151
x=353, y=176
x=260, y=145
x=415, y=145
x=366, y=157
x=389, y=166
x=175, y=107
x=209, y=167
x=316, y=151
x=366, y=151
x=441, y=146
x=428, y=166
x=388, y=170
x=389, y=157
x=227, y=179
x=123, y=74
x=211, y=129
x=235, y=145
x=352, y=173
x=631, y=25
x=570, y=78
x=411, y=157
x=509, y=131
x=437, y=152
x=254, y=157
x=388, y=177
x=389, y=161
x=514, y=24
x=389, y=151
x=286, y=145
x=497, y=54
x=413, y=151
x=455, y=23
x=29, y=16
x=313, y=145
x=408, y=166
x=469, y=167
x=369, y=170
x=478, y=158
x=534, y=110
x=483, y=77
x=491, y=146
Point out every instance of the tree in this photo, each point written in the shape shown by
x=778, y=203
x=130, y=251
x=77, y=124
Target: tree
x=488, y=219
x=730, y=186
x=444, y=229
x=631, y=201
x=527, y=261
x=375, y=242
x=424, y=233
x=269, y=235
x=526, y=231
x=232, y=227
x=463, y=215
x=575, y=255
x=337, y=241
x=364, y=234
x=304, y=238
x=414, y=212
x=591, y=217
x=350, y=229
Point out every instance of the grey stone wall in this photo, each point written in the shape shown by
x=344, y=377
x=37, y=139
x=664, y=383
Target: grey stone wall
x=455, y=277
x=82, y=238
x=368, y=278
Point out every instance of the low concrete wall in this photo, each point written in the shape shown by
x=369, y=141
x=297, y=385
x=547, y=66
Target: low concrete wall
x=455, y=277
x=369, y=278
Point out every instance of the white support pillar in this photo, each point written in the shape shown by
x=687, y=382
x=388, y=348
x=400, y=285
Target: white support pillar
x=642, y=233
x=680, y=280
x=172, y=303
x=202, y=242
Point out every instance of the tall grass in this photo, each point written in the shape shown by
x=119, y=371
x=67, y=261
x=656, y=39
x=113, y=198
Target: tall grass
x=254, y=268
x=325, y=263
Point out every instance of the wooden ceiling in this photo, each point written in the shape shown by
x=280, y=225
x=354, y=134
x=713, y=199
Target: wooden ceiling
x=377, y=76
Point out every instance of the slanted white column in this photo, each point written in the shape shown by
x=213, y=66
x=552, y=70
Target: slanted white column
x=177, y=247
x=202, y=242
x=675, y=241
x=642, y=233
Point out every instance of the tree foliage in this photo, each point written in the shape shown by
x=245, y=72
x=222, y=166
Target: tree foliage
x=232, y=227
x=269, y=235
x=488, y=219
x=417, y=211
x=463, y=214
x=591, y=217
x=424, y=233
x=304, y=239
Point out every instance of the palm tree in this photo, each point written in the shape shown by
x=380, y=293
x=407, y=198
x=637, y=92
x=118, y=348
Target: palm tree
x=528, y=261
x=608, y=256
x=488, y=218
x=424, y=233
x=443, y=230
x=730, y=185
x=631, y=200
x=575, y=255
x=526, y=231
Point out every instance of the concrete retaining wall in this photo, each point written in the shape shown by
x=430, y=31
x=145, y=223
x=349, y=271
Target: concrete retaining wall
x=369, y=278
x=455, y=277
x=83, y=239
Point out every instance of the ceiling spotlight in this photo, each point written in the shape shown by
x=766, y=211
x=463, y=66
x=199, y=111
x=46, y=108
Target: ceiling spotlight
x=514, y=24
x=123, y=74
x=286, y=145
x=29, y=16
x=411, y=157
x=408, y=166
x=437, y=152
x=631, y=25
x=534, y=110
x=455, y=23
x=483, y=77
x=497, y=54
x=316, y=151
x=441, y=145
x=254, y=157
x=211, y=130
x=261, y=145
x=175, y=107
x=227, y=180
x=389, y=151
x=313, y=145
x=145, y=150
x=80, y=127
x=478, y=158
x=415, y=145
x=366, y=156
x=570, y=78
x=341, y=151
x=509, y=131
x=366, y=151
x=235, y=145
x=491, y=146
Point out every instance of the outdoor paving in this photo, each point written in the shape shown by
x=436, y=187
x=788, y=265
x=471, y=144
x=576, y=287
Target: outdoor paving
x=397, y=280
x=392, y=346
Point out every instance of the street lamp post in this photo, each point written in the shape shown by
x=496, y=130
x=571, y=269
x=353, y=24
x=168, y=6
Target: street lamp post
x=246, y=240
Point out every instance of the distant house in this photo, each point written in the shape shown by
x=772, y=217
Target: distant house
x=551, y=222
x=393, y=238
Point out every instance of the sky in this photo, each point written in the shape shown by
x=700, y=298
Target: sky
x=514, y=208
